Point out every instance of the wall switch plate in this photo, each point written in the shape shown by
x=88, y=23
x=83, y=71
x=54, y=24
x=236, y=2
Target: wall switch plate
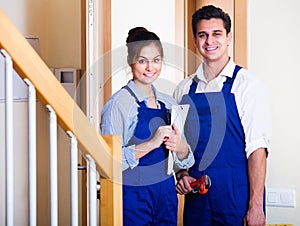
x=281, y=197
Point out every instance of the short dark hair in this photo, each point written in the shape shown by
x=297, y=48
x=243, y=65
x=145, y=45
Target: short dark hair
x=208, y=12
x=138, y=38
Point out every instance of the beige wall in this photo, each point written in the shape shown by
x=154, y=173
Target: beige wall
x=55, y=22
x=274, y=57
x=20, y=172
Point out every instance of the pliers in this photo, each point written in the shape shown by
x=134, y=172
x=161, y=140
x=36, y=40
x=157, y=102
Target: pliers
x=201, y=185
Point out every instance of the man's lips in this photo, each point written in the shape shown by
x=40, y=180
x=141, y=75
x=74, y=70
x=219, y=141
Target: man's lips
x=210, y=49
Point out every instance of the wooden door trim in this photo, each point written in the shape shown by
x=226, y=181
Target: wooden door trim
x=240, y=32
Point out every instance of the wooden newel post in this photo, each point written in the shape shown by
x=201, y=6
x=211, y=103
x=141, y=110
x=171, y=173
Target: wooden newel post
x=111, y=210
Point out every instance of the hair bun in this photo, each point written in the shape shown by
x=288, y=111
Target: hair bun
x=136, y=34
x=135, y=30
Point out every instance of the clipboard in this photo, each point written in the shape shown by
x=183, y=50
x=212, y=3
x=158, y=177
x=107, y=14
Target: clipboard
x=178, y=117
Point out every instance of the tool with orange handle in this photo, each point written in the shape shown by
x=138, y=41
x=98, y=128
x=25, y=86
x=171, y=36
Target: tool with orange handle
x=201, y=185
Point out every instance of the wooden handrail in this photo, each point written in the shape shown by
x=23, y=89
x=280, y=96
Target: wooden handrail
x=28, y=64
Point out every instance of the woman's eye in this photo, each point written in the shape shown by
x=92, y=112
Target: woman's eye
x=142, y=61
x=157, y=60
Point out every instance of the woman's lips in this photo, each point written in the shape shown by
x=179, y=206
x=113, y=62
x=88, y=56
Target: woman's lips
x=149, y=74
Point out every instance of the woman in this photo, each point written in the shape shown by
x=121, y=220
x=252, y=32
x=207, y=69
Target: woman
x=141, y=115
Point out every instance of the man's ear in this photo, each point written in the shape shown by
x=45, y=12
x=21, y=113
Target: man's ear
x=195, y=41
x=229, y=38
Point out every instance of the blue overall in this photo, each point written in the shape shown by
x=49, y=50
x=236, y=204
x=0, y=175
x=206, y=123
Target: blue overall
x=220, y=153
x=149, y=194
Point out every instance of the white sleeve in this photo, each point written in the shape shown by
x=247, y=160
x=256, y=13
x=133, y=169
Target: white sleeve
x=182, y=88
x=255, y=113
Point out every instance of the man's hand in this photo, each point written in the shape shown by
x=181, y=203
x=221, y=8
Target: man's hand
x=183, y=185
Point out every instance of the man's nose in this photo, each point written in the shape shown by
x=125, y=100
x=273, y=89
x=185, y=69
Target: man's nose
x=209, y=39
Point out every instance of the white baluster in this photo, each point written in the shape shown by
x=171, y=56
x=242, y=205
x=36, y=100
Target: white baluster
x=74, y=179
x=9, y=178
x=53, y=168
x=32, y=153
x=92, y=187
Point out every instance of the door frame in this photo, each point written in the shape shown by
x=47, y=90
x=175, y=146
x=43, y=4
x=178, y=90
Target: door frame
x=239, y=13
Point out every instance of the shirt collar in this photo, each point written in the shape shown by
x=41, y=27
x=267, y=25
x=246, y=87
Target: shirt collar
x=226, y=72
x=139, y=94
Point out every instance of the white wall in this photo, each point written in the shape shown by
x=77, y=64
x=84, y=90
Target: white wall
x=157, y=16
x=274, y=56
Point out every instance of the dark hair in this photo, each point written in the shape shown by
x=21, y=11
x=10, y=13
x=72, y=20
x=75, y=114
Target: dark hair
x=209, y=12
x=138, y=38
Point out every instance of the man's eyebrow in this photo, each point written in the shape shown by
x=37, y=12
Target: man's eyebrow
x=204, y=32
x=201, y=32
x=217, y=31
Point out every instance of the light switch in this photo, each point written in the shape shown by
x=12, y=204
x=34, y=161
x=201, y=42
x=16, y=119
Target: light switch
x=281, y=197
x=272, y=197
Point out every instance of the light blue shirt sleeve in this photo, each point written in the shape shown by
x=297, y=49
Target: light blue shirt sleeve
x=117, y=118
x=185, y=163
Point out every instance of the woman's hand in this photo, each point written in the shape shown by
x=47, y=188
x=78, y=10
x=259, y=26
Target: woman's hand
x=161, y=135
x=177, y=144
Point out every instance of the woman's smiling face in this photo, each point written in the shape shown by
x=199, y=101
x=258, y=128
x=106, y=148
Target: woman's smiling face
x=148, y=65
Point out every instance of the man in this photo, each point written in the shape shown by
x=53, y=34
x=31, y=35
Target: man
x=229, y=128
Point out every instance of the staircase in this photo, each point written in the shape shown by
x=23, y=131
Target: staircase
x=98, y=156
